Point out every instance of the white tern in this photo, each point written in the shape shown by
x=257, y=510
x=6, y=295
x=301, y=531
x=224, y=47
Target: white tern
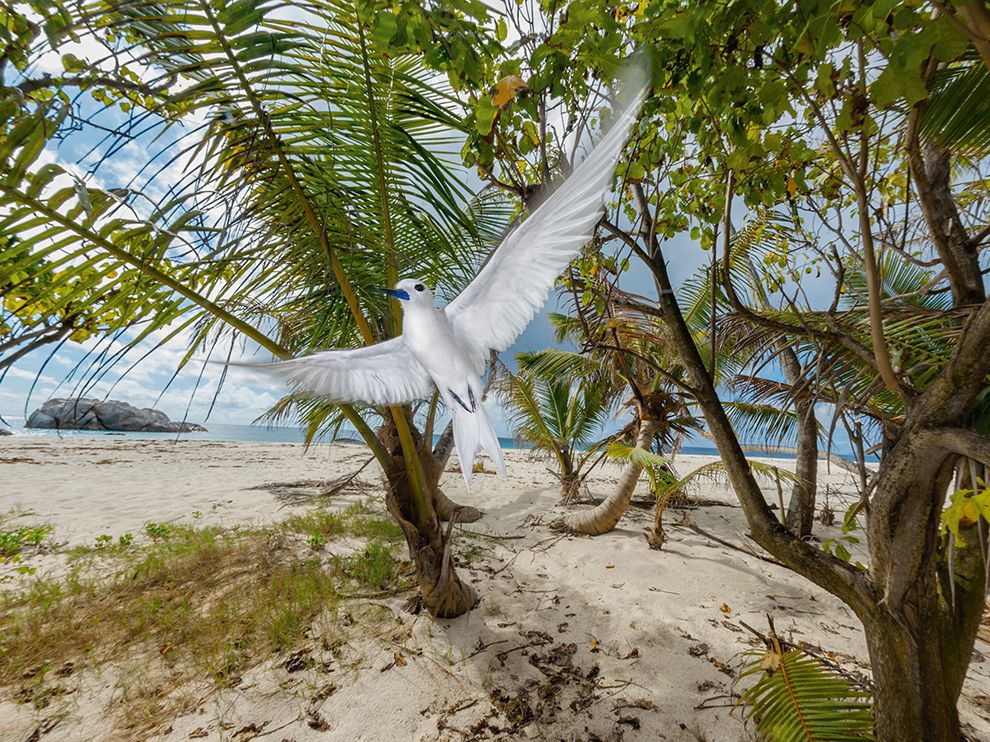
x=449, y=347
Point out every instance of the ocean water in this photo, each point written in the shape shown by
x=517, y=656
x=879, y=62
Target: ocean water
x=249, y=433
x=215, y=432
x=265, y=434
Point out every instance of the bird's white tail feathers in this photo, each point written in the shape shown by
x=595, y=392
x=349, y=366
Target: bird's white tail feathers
x=474, y=431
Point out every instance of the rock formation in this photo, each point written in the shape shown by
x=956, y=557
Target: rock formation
x=93, y=414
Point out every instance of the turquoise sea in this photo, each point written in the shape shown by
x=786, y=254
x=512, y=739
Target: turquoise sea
x=216, y=432
x=265, y=434
x=228, y=432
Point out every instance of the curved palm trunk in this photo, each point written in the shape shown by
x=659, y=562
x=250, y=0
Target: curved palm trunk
x=605, y=516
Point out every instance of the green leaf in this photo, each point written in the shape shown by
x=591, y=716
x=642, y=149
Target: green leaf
x=501, y=29
x=386, y=26
x=894, y=83
x=485, y=113
x=529, y=130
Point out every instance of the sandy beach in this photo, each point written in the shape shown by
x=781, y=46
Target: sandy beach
x=574, y=637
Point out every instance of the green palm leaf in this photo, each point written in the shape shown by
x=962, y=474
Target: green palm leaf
x=957, y=112
x=795, y=699
x=312, y=171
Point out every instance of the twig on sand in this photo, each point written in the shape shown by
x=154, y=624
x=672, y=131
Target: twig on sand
x=704, y=705
x=442, y=724
x=730, y=545
x=504, y=653
x=388, y=593
x=817, y=652
x=278, y=728
x=535, y=547
x=481, y=648
x=283, y=490
x=492, y=536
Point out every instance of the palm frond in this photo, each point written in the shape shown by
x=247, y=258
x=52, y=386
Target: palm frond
x=796, y=699
x=656, y=466
x=764, y=422
x=715, y=471
x=302, y=170
x=957, y=112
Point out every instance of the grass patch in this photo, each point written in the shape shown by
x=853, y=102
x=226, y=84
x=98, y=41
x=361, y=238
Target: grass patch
x=191, y=603
x=471, y=554
x=322, y=526
x=375, y=568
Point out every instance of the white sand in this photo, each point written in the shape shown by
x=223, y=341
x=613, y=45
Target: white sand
x=663, y=628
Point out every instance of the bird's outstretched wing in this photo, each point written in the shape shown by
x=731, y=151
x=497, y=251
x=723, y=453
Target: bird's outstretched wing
x=384, y=373
x=514, y=284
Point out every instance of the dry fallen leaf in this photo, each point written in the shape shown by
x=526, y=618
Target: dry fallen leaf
x=725, y=608
x=771, y=663
x=643, y=703
x=610, y=566
x=400, y=661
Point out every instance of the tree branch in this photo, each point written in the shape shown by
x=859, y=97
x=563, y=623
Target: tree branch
x=964, y=442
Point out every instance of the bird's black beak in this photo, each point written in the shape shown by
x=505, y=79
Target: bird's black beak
x=397, y=293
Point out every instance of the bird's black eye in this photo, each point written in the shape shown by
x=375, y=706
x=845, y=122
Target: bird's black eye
x=419, y=287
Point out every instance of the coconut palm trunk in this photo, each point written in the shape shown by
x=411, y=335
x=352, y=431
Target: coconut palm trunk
x=801, y=508
x=605, y=517
x=441, y=592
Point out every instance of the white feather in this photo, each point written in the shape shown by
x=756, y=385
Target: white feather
x=384, y=373
x=515, y=282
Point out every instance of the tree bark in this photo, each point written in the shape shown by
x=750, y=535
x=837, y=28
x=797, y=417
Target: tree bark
x=912, y=700
x=570, y=483
x=960, y=257
x=919, y=654
x=605, y=517
x=976, y=25
x=801, y=508
x=441, y=591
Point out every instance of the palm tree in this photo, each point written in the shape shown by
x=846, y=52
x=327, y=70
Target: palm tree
x=308, y=169
x=558, y=414
x=631, y=350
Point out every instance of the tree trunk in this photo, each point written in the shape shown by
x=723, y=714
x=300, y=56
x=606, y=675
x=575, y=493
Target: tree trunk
x=605, y=516
x=441, y=591
x=656, y=536
x=921, y=635
x=801, y=508
x=570, y=482
x=913, y=699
